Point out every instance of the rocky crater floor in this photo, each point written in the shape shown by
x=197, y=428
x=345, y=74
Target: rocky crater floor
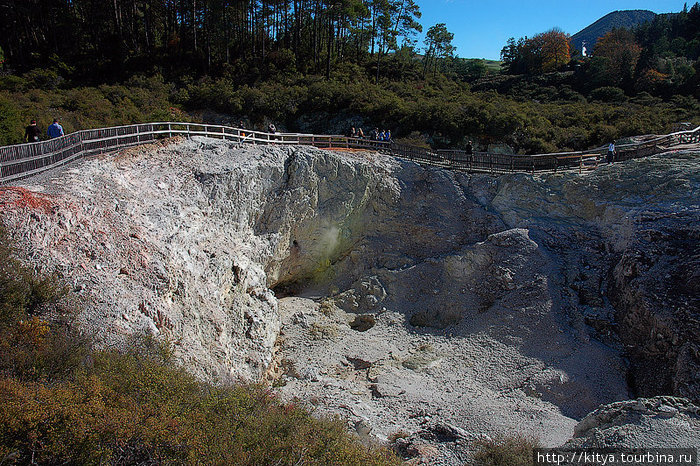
x=428, y=307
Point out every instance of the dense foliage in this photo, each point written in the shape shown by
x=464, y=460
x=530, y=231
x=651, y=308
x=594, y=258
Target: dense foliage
x=63, y=402
x=324, y=65
x=660, y=57
x=537, y=116
x=116, y=37
x=669, y=61
x=545, y=52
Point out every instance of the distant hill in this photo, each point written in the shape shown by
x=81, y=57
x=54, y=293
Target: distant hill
x=626, y=18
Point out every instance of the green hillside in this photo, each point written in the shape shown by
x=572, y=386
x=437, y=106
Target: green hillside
x=224, y=63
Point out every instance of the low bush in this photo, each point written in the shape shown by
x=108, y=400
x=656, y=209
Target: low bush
x=505, y=451
x=127, y=408
x=608, y=94
x=444, y=112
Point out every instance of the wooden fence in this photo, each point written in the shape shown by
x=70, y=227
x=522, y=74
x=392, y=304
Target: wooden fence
x=24, y=160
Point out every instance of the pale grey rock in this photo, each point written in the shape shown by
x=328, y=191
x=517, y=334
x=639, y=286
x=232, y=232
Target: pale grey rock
x=659, y=422
x=626, y=237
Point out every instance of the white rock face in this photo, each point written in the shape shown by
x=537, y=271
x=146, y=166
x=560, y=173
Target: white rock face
x=186, y=240
x=659, y=422
x=155, y=246
x=455, y=306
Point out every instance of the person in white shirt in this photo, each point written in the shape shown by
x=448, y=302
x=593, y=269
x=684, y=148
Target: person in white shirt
x=611, y=153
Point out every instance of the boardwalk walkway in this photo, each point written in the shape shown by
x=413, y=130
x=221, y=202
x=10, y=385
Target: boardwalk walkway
x=24, y=160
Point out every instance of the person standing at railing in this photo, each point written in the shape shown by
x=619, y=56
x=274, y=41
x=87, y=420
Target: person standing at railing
x=611, y=153
x=55, y=129
x=31, y=133
x=360, y=133
x=272, y=129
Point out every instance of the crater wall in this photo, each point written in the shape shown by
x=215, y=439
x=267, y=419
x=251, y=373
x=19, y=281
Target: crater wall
x=561, y=291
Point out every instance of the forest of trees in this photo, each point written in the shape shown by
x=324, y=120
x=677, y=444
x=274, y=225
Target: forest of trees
x=118, y=36
x=660, y=57
x=325, y=65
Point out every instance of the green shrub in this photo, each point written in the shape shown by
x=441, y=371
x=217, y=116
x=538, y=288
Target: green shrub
x=10, y=82
x=603, y=133
x=537, y=146
x=505, y=451
x=608, y=94
x=11, y=129
x=46, y=79
x=24, y=293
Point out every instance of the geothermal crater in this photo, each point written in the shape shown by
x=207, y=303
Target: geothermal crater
x=417, y=302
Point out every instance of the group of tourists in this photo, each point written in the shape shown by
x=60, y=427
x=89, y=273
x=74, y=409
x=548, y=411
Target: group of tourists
x=376, y=135
x=32, y=132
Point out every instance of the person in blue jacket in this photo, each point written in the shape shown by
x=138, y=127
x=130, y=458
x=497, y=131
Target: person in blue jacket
x=55, y=130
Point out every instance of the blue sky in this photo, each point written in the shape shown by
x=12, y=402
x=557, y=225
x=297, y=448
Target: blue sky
x=482, y=27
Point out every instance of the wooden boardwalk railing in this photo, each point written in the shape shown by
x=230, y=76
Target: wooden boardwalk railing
x=24, y=160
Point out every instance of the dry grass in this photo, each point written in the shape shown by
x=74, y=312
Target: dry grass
x=324, y=331
x=505, y=451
